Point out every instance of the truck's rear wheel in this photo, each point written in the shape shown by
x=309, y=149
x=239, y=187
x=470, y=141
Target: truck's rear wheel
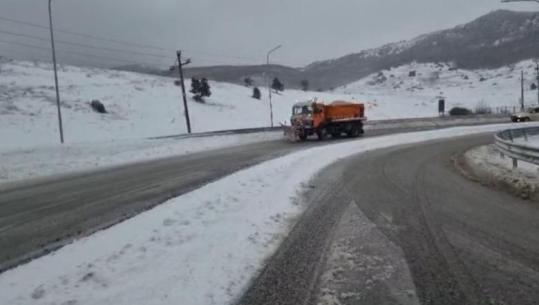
x=354, y=132
x=322, y=134
x=335, y=135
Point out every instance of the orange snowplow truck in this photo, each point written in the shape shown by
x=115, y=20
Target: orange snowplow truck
x=336, y=119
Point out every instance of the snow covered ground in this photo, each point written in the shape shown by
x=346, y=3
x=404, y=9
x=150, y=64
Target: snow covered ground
x=49, y=160
x=487, y=165
x=530, y=141
x=490, y=158
x=142, y=106
x=466, y=88
x=201, y=248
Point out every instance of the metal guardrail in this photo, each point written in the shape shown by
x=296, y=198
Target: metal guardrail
x=508, y=145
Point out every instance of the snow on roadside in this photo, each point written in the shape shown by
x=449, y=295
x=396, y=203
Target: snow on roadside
x=487, y=165
x=200, y=248
x=490, y=157
x=44, y=161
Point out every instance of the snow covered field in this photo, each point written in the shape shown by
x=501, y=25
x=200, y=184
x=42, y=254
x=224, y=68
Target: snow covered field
x=142, y=106
x=186, y=251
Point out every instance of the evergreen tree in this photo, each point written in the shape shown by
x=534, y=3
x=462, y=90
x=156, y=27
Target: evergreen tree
x=205, y=88
x=248, y=81
x=277, y=85
x=195, y=86
x=304, y=85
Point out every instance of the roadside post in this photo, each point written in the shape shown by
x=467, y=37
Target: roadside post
x=441, y=107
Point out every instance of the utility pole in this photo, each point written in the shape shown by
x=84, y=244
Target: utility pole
x=537, y=84
x=60, y=125
x=522, y=91
x=269, y=80
x=185, y=106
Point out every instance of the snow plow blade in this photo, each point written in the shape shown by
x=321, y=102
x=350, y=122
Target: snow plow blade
x=290, y=133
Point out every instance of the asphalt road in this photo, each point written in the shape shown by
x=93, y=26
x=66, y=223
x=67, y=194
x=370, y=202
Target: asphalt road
x=38, y=216
x=403, y=226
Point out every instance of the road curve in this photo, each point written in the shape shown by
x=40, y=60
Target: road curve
x=38, y=216
x=403, y=226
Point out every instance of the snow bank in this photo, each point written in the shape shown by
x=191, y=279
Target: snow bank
x=201, y=248
x=486, y=164
x=44, y=161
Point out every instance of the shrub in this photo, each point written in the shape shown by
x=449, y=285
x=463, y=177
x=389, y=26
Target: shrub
x=97, y=106
x=305, y=85
x=456, y=111
x=277, y=85
x=248, y=81
x=482, y=108
x=256, y=93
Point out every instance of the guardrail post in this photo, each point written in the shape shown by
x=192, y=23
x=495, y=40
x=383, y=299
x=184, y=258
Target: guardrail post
x=502, y=155
x=511, y=135
x=525, y=135
x=515, y=163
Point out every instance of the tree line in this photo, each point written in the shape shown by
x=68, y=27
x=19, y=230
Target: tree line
x=200, y=88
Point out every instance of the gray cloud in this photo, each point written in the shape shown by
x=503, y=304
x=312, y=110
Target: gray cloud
x=236, y=31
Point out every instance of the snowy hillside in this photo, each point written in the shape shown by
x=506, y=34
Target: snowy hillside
x=139, y=105
x=467, y=88
x=142, y=106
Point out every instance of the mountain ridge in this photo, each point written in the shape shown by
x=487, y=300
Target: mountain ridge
x=493, y=40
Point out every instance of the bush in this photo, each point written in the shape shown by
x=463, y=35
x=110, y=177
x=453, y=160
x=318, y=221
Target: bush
x=256, y=93
x=277, y=85
x=305, y=85
x=248, y=82
x=482, y=108
x=97, y=106
x=456, y=111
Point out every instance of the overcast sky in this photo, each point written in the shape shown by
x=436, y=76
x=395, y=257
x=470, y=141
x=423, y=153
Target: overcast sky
x=230, y=31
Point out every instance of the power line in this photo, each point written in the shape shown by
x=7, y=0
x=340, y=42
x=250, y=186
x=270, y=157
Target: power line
x=75, y=53
x=85, y=35
x=123, y=42
x=80, y=45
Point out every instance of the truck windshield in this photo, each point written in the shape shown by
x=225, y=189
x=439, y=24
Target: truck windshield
x=303, y=110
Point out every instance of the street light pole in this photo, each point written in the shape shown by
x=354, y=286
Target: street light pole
x=269, y=80
x=60, y=125
x=537, y=84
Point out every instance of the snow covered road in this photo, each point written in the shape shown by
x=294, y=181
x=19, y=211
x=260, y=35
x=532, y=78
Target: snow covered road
x=200, y=248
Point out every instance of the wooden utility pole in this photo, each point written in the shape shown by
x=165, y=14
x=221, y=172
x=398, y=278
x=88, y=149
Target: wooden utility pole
x=185, y=106
x=58, y=105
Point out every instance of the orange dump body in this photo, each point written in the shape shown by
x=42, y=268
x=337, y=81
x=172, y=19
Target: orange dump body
x=338, y=112
x=344, y=111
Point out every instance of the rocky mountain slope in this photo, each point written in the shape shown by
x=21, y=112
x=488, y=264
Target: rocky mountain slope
x=491, y=41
